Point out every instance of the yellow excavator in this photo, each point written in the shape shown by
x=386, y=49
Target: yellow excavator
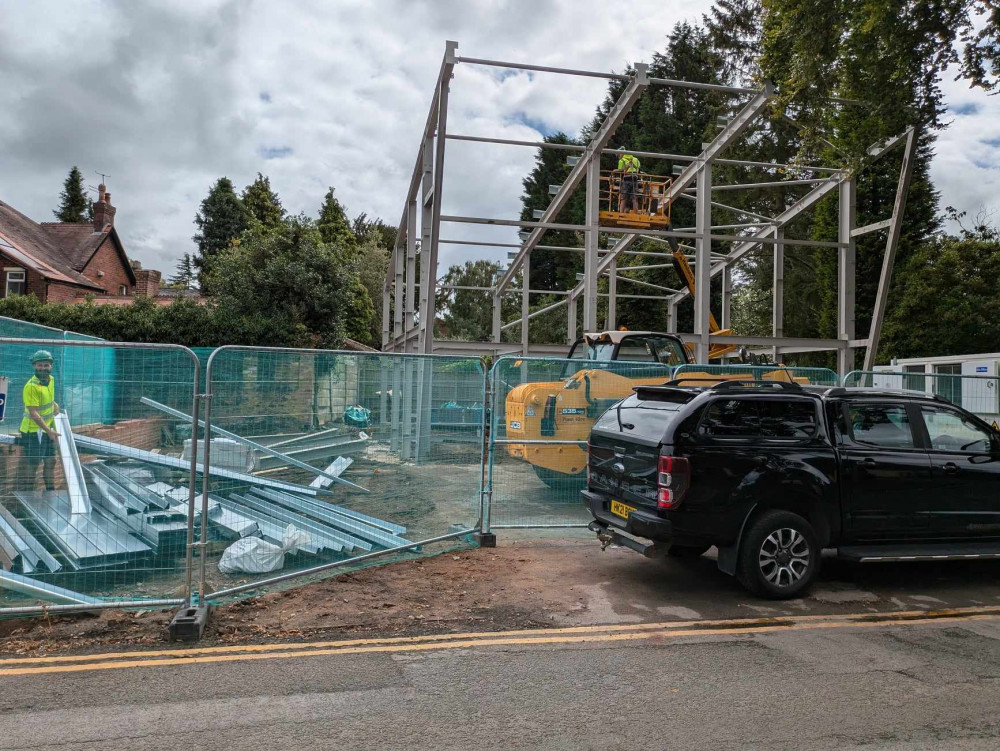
x=565, y=410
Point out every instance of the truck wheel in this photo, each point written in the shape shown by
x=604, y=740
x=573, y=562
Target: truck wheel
x=688, y=551
x=560, y=481
x=779, y=556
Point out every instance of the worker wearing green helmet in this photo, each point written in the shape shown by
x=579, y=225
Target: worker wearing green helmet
x=628, y=167
x=38, y=435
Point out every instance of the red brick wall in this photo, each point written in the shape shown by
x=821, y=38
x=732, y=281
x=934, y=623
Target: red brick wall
x=106, y=259
x=61, y=292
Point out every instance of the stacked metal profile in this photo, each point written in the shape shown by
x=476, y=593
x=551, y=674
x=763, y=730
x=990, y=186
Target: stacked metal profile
x=115, y=512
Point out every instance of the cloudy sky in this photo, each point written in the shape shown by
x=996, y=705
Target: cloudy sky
x=167, y=96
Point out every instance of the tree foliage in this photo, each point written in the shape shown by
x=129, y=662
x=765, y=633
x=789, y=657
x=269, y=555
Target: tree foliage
x=262, y=203
x=74, y=206
x=221, y=220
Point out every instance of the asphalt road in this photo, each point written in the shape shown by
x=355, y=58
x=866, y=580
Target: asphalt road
x=812, y=681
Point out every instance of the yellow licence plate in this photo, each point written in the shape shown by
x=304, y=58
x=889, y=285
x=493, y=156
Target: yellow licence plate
x=620, y=509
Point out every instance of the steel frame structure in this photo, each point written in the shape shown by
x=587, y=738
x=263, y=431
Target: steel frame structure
x=408, y=303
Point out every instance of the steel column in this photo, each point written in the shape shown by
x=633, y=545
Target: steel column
x=703, y=263
x=846, y=273
x=497, y=317
x=891, y=244
x=571, y=321
x=426, y=220
x=410, y=280
x=591, y=238
x=778, y=290
x=525, y=303
x=610, y=323
x=727, y=295
x=429, y=313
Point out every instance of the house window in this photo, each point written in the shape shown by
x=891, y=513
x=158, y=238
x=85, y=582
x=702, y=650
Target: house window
x=123, y=290
x=15, y=282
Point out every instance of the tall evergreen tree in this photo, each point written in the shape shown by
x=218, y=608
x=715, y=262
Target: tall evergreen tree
x=263, y=203
x=221, y=220
x=185, y=274
x=334, y=226
x=74, y=206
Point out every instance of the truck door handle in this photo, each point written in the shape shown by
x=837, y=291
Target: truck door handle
x=950, y=468
x=868, y=461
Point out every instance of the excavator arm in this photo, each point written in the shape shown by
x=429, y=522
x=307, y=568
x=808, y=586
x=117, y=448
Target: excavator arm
x=684, y=271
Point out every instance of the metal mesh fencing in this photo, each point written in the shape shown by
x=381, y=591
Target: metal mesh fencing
x=95, y=494
x=330, y=460
x=979, y=394
x=802, y=375
x=542, y=412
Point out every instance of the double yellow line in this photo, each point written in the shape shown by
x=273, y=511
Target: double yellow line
x=653, y=632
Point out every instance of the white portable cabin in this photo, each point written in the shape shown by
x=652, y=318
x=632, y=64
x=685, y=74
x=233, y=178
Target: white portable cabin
x=970, y=381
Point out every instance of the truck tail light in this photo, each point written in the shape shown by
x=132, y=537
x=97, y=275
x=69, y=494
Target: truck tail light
x=673, y=480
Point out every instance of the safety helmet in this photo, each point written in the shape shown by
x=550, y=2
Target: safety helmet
x=621, y=148
x=41, y=356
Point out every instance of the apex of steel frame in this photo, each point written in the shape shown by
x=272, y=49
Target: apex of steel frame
x=409, y=304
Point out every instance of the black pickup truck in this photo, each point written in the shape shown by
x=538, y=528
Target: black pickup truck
x=771, y=473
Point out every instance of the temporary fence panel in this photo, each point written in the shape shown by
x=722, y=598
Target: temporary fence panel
x=542, y=411
x=979, y=394
x=376, y=455
x=102, y=511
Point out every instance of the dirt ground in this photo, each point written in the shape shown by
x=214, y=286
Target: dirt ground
x=486, y=589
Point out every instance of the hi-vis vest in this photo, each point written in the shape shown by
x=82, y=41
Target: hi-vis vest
x=629, y=164
x=42, y=397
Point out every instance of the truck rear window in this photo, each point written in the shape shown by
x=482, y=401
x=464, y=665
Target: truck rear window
x=646, y=420
x=788, y=419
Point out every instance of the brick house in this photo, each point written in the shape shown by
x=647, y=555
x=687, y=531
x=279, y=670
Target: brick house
x=63, y=262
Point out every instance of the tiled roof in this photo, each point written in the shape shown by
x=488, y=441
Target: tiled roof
x=76, y=242
x=31, y=244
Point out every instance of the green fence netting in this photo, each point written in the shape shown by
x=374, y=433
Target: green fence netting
x=402, y=435
x=96, y=510
x=542, y=411
x=803, y=375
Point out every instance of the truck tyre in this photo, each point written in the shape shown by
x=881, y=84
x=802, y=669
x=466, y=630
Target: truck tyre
x=687, y=551
x=560, y=481
x=779, y=556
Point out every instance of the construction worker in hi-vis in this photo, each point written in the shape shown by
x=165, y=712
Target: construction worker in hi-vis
x=38, y=435
x=628, y=165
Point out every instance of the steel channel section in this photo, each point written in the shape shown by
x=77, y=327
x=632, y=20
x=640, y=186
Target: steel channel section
x=322, y=531
x=610, y=323
x=43, y=591
x=363, y=531
x=629, y=97
x=273, y=530
x=76, y=485
x=891, y=244
x=335, y=564
x=284, y=458
x=32, y=548
x=106, y=448
x=88, y=539
x=727, y=297
x=371, y=521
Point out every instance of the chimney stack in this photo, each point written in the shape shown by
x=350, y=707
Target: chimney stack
x=104, y=212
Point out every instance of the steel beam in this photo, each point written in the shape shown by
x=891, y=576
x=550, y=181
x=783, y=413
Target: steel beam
x=891, y=244
x=874, y=227
x=637, y=84
x=610, y=322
